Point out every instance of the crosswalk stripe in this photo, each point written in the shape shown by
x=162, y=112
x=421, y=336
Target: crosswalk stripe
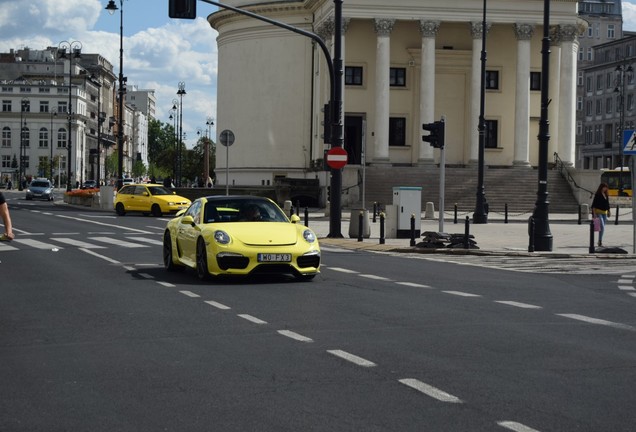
x=146, y=240
x=6, y=247
x=117, y=242
x=35, y=243
x=78, y=243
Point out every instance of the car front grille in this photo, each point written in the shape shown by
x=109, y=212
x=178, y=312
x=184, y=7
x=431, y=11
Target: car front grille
x=308, y=261
x=228, y=262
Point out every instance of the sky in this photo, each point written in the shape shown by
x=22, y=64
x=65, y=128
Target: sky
x=159, y=52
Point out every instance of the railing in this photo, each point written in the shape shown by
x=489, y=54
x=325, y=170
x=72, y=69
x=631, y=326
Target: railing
x=565, y=173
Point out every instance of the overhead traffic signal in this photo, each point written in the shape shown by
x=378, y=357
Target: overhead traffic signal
x=436, y=133
x=185, y=9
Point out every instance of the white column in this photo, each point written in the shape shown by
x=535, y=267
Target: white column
x=475, y=89
x=554, y=87
x=524, y=33
x=427, y=84
x=567, y=93
x=383, y=28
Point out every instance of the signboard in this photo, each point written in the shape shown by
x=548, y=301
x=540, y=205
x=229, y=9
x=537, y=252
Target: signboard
x=337, y=157
x=629, y=142
x=227, y=138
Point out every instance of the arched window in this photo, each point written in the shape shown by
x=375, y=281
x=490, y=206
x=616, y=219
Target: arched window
x=61, y=138
x=44, y=137
x=6, y=136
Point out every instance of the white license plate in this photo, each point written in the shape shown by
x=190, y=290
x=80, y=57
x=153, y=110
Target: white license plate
x=272, y=257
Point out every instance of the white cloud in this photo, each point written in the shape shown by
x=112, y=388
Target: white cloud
x=629, y=16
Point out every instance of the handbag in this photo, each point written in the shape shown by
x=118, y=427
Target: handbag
x=597, y=224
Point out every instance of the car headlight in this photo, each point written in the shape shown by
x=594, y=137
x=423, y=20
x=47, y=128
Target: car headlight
x=221, y=237
x=309, y=236
x=172, y=203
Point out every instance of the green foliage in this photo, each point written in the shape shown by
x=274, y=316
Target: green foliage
x=138, y=169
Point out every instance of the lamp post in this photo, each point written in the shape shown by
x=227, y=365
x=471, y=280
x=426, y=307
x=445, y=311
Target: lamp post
x=74, y=49
x=206, y=164
x=101, y=117
x=181, y=92
x=481, y=215
x=111, y=8
x=173, y=116
x=623, y=70
x=24, y=106
x=53, y=114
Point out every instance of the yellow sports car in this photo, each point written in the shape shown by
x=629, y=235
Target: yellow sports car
x=149, y=198
x=239, y=235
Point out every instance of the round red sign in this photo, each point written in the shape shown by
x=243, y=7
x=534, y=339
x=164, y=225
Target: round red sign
x=337, y=157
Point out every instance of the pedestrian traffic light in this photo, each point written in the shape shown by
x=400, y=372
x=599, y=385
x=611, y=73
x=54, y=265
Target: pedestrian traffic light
x=436, y=133
x=186, y=9
x=327, y=123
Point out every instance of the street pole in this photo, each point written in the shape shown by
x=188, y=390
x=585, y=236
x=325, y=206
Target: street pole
x=53, y=113
x=111, y=8
x=542, y=234
x=180, y=93
x=74, y=50
x=481, y=215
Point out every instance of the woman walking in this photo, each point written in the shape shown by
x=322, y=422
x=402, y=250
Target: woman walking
x=601, y=209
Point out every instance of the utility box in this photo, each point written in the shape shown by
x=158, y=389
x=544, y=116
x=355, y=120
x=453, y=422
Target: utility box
x=408, y=201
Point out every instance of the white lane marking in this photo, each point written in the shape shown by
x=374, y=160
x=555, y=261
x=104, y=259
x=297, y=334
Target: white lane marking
x=343, y=270
x=334, y=250
x=352, y=358
x=217, y=305
x=632, y=294
x=104, y=224
x=295, y=336
x=166, y=284
x=98, y=216
x=129, y=268
x=252, y=319
x=429, y=390
x=626, y=288
x=461, y=294
x=598, y=321
x=6, y=248
x=78, y=243
x=189, y=294
x=156, y=228
x=624, y=281
x=518, y=304
x=628, y=276
x=117, y=242
x=413, y=284
x=514, y=426
x=65, y=233
x=105, y=258
x=374, y=277
x=146, y=275
x=146, y=240
x=35, y=243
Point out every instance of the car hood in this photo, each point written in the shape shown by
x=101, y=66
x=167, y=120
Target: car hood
x=263, y=233
x=171, y=198
x=39, y=189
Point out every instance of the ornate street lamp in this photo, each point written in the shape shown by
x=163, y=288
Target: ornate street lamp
x=181, y=92
x=74, y=48
x=24, y=107
x=53, y=114
x=206, y=163
x=481, y=214
x=623, y=71
x=174, y=114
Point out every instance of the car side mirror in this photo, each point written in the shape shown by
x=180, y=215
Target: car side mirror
x=146, y=194
x=187, y=220
x=295, y=219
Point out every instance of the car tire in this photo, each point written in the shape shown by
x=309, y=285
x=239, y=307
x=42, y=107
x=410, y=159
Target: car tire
x=156, y=210
x=168, y=262
x=119, y=208
x=202, y=261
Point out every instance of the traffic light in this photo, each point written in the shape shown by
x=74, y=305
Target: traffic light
x=327, y=123
x=182, y=9
x=436, y=133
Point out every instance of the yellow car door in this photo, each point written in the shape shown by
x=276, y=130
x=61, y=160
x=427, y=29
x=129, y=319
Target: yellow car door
x=187, y=234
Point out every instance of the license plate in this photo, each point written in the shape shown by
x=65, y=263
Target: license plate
x=272, y=257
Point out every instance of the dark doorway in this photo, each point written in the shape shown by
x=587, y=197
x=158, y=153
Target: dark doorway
x=353, y=138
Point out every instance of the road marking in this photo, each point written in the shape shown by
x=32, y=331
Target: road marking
x=598, y=321
x=352, y=358
x=104, y=224
x=632, y=294
x=429, y=390
x=217, y=305
x=628, y=276
x=146, y=240
x=145, y=275
x=514, y=426
x=293, y=335
x=413, y=284
x=252, y=319
x=623, y=281
x=6, y=248
x=35, y=243
x=343, y=270
x=374, y=277
x=461, y=294
x=78, y=243
x=118, y=242
x=518, y=304
x=105, y=258
x=166, y=284
x=155, y=227
x=129, y=268
x=626, y=288
x=190, y=294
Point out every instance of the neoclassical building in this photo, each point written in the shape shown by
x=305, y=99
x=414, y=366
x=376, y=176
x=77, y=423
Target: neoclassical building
x=406, y=62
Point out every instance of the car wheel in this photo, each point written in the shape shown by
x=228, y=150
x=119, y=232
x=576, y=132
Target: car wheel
x=202, y=261
x=119, y=208
x=168, y=263
x=156, y=210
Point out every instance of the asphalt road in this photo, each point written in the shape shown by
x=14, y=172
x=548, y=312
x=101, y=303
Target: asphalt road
x=97, y=336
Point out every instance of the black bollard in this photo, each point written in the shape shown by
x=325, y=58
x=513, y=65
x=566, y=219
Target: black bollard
x=291, y=211
x=412, y=230
x=616, y=221
x=298, y=208
x=360, y=223
x=455, y=218
x=381, y=228
x=506, y=213
x=531, y=228
x=467, y=233
x=306, y=217
x=579, y=214
x=592, y=236
x=375, y=211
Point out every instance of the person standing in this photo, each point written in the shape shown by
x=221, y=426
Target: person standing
x=6, y=220
x=601, y=209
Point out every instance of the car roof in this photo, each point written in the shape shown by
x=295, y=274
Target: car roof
x=236, y=198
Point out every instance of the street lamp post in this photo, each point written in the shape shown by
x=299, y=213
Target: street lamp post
x=53, y=114
x=206, y=164
x=24, y=105
x=181, y=92
x=623, y=71
x=481, y=215
x=74, y=49
x=111, y=8
x=174, y=116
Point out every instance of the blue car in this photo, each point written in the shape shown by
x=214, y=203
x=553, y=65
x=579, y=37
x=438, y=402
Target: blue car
x=40, y=188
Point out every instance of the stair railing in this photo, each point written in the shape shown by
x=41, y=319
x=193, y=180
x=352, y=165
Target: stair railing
x=565, y=173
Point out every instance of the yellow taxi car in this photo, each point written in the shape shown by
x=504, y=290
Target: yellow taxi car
x=152, y=199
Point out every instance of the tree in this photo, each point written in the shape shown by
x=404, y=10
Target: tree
x=161, y=148
x=138, y=169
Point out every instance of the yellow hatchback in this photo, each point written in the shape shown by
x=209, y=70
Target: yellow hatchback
x=152, y=199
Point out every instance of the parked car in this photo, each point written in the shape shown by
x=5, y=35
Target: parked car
x=89, y=184
x=40, y=188
x=149, y=198
x=239, y=235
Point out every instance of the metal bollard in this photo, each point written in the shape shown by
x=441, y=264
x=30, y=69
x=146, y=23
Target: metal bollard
x=616, y=221
x=381, y=228
x=506, y=213
x=291, y=211
x=579, y=222
x=298, y=208
x=360, y=225
x=592, y=236
x=412, y=230
x=467, y=233
x=375, y=210
x=531, y=229
x=455, y=218
x=306, y=217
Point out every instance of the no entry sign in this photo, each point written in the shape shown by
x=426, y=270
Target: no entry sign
x=337, y=157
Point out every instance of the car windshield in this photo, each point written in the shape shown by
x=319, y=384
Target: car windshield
x=40, y=184
x=159, y=190
x=243, y=211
